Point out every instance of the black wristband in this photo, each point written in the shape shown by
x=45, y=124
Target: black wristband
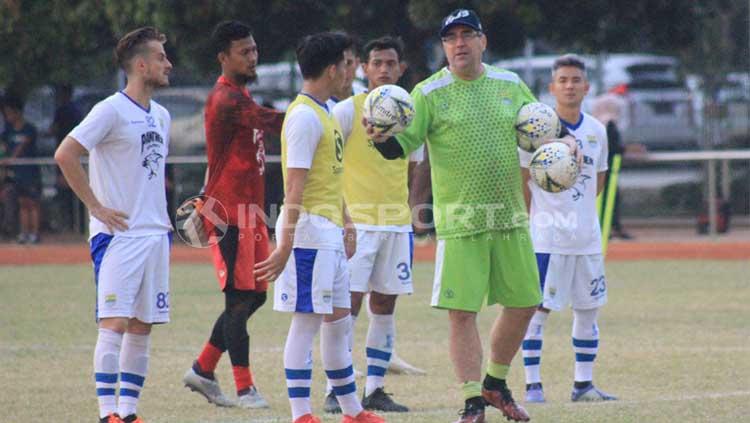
x=390, y=148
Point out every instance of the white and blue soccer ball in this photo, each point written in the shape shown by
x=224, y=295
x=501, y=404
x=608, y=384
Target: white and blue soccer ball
x=554, y=168
x=535, y=124
x=389, y=109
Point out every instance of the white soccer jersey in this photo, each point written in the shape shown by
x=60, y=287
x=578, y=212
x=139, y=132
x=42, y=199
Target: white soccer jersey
x=567, y=222
x=128, y=148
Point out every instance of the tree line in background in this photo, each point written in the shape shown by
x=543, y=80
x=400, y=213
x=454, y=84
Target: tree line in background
x=59, y=41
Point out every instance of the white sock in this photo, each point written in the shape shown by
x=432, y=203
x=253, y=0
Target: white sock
x=585, y=343
x=532, y=347
x=353, y=318
x=337, y=361
x=106, y=369
x=381, y=336
x=298, y=361
x=133, y=369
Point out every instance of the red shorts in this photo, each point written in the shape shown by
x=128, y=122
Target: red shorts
x=237, y=253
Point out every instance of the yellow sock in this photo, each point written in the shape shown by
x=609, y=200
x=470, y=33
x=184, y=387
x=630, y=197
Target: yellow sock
x=498, y=371
x=471, y=389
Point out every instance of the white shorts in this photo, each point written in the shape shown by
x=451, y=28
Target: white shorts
x=132, y=277
x=382, y=262
x=313, y=281
x=572, y=280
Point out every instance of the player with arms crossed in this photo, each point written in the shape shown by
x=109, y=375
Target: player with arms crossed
x=567, y=238
x=466, y=114
x=376, y=194
x=310, y=257
x=127, y=138
x=235, y=126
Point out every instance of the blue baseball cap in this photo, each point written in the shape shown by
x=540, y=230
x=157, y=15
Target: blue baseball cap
x=461, y=17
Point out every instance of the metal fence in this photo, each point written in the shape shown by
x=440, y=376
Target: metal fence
x=185, y=178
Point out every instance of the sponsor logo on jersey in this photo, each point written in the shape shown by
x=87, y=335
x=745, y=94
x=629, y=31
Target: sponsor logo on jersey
x=150, y=121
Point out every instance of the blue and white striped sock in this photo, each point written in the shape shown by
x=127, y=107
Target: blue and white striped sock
x=531, y=348
x=585, y=343
x=337, y=360
x=106, y=369
x=298, y=361
x=381, y=337
x=133, y=369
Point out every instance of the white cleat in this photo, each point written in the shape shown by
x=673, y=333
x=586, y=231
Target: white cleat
x=206, y=387
x=399, y=367
x=252, y=399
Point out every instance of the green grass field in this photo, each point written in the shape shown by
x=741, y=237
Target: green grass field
x=675, y=347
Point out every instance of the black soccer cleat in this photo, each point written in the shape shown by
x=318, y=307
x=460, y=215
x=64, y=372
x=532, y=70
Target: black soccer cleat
x=331, y=404
x=381, y=401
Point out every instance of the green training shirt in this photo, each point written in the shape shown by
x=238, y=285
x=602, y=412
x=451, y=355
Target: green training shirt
x=469, y=130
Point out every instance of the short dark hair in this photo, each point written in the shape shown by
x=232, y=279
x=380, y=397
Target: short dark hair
x=318, y=51
x=13, y=101
x=133, y=43
x=227, y=31
x=569, y=60
x=384, y=43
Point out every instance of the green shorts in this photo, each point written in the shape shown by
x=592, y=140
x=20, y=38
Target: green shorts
x=500, y=265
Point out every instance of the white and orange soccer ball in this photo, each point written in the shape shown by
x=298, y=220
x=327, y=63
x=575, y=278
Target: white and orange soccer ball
x=535, y=124
x=389, y=108
x=554, y=168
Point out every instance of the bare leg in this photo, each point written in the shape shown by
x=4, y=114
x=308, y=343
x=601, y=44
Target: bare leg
x=508, y=332
x=465, y=346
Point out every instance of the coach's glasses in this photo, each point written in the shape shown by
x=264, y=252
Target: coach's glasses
x=463, y=35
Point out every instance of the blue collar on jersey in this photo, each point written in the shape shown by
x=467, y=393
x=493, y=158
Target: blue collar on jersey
x=573, y=126
x=136, y=103
x=323, y=105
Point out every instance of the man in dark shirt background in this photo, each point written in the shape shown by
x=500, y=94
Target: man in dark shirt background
x=20, y=140
x=67, y=116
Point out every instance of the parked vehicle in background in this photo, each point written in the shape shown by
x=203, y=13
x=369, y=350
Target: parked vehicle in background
x=659, y=112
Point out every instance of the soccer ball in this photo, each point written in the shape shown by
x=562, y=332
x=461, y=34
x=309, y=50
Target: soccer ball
x=553, y=167
x=536, y=123
x=389, y=108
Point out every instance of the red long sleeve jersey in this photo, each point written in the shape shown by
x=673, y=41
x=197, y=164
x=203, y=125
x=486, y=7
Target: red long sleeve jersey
x=235, y=125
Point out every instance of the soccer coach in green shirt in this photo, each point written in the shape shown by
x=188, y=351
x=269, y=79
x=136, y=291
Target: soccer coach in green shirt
x=466, y=114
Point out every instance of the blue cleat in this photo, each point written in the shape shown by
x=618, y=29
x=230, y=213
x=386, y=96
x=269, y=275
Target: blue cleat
x=534, y=393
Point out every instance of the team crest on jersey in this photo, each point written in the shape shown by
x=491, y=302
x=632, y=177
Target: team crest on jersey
x=151, y=143
x=591, y=139
x=110, y=299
